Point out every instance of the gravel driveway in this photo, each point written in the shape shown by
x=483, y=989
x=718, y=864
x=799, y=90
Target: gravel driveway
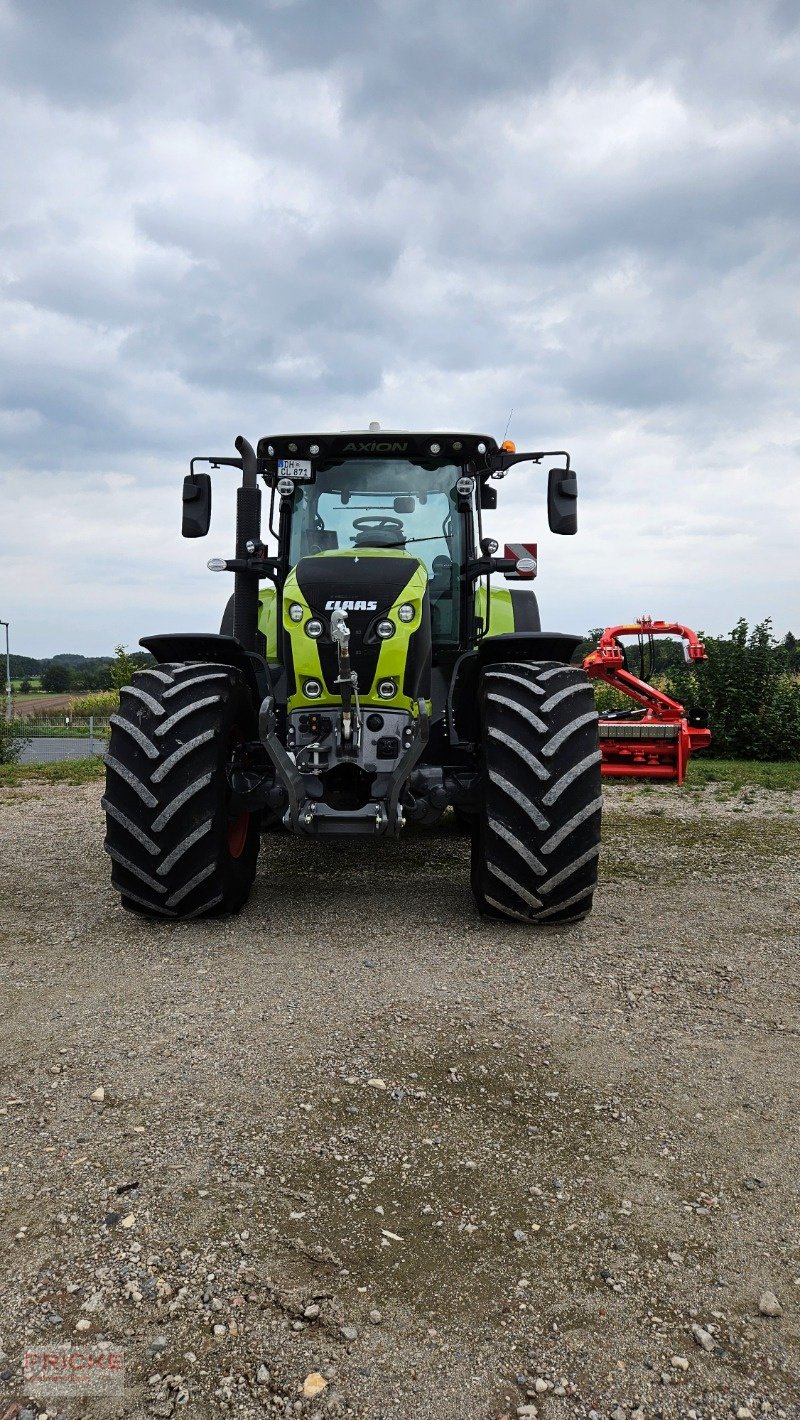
x=361, y=1143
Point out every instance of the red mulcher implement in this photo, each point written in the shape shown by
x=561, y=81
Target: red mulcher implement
x=656, y=742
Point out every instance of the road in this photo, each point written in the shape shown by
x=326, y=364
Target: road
x=45, y=750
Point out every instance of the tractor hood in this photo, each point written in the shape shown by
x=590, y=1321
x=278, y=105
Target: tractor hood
x=362, y=583
x=370, y=584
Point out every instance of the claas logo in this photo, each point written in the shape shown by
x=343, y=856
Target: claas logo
x=351, y=606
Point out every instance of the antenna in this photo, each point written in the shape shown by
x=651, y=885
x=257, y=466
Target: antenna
x=508, y=425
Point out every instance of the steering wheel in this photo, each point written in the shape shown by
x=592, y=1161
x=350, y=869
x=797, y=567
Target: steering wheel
x=378, y=522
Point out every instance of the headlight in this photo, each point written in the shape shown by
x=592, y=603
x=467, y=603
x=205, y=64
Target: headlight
x=314, y=628
x=312, y=689
x=387, y=689
x=406, y=612
x=295, y=612
x=385, y=629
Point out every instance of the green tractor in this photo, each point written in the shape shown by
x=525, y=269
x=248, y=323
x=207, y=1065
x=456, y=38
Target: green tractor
x=367, y=675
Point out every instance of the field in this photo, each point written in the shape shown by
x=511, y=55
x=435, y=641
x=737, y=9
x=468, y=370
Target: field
x=40, y=704
x=455, y=1168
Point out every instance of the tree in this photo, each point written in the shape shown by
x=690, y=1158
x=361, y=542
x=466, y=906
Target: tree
x=25, y=686
x=57, y=679
x=122, y=668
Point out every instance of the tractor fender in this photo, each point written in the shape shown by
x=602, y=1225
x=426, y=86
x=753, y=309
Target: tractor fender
x=462, y=700
x=208, y=646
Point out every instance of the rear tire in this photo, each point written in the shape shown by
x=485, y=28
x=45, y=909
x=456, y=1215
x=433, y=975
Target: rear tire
x=537, y=840
x=178, y=846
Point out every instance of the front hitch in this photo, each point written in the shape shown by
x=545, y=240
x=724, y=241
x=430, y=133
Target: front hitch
x=347, y=683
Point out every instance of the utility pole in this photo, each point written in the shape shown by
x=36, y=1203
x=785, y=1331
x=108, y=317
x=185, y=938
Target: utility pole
x=8, y=674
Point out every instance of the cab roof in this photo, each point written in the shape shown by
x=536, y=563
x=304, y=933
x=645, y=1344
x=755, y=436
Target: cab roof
x=430, y=446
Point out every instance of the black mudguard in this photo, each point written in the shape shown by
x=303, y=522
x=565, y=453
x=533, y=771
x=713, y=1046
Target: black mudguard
x=462, y=699
x=208, y=646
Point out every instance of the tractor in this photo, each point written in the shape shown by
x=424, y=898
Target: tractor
x=368, y=675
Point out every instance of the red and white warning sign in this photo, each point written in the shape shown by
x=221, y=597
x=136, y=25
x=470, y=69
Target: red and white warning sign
x=525, y=553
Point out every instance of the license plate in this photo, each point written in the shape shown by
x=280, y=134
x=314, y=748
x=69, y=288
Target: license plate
x=298, y=469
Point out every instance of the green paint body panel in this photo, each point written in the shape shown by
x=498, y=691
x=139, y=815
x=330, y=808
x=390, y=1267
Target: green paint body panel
x=501, y=619
x=391, y=661
x=268, y=621
x=393, y=652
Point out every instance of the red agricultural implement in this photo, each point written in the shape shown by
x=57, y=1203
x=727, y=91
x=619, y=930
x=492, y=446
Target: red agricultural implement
x=654, y=742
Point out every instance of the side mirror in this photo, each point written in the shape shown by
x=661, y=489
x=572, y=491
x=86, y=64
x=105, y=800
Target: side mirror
x=488, y=495
x=196, y=505
x=562, y=501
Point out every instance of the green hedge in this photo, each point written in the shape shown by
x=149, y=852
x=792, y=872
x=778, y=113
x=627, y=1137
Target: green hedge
x=750, y=692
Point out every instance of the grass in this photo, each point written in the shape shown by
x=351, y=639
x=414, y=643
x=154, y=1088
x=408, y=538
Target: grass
x=66, y=771
x=735, y=774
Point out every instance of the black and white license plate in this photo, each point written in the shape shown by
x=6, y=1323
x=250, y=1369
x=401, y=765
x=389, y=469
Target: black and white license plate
x=298, y=469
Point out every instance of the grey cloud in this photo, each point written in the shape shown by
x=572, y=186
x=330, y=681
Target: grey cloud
x=317, y=214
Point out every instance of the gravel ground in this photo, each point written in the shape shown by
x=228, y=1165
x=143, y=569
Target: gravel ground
x=361, y=1143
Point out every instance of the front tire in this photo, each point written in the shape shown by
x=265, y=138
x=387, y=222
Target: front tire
x=537, y=840
x=180, y=847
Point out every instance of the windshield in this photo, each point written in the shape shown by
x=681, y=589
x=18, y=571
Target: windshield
x=387, y=503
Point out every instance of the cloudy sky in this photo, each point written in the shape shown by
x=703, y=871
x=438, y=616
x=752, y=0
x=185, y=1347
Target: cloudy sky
x=268, y=215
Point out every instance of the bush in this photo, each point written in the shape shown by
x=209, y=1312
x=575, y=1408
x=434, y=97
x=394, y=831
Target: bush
x=11, y=744
x=102, y=704
x=607, y=698
x=747, y=688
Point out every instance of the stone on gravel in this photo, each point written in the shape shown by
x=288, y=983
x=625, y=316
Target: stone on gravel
x=376, y=1317
x=376, y=1084
x=99, y=1094
x=680, y=1363
x=349, y=1333
x=311, y=1312
x=159, y=1343
x=262, y=1375
x=702, y=1337
x=769, y=1305
x=313, y=1385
